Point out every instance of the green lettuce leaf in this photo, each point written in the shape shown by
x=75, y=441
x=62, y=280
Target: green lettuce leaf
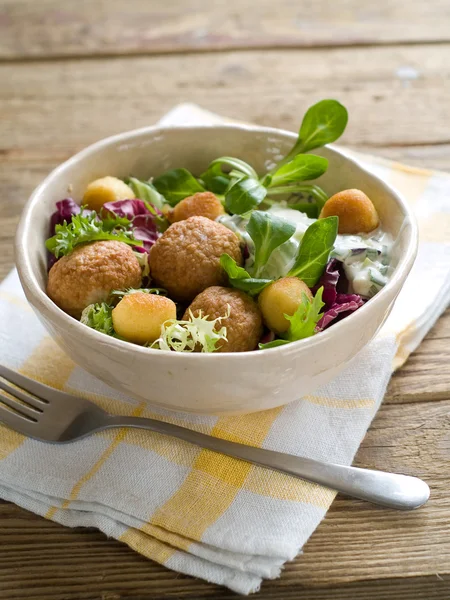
x=301, y=168
x=146, y=192
x=89, y=228
x=240, y=279
x=267, y=232
x=244, y=195
x=98, y=317
x=302, y=323
x=177, y=184
x=315, y=247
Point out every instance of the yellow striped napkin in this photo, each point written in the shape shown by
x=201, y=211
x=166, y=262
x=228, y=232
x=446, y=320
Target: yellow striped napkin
x=192, y=510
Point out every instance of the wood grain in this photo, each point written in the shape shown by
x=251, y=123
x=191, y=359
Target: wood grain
x=52, y=28
x=395, y=96
x=426, y=374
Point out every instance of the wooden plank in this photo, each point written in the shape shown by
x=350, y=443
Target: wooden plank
x=356, y=544
x=396, y=96
x=52, y=28
x=426, y=374
x=432, y=156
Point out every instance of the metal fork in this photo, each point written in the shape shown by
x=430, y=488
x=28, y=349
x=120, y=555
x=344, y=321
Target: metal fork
x=48, y=415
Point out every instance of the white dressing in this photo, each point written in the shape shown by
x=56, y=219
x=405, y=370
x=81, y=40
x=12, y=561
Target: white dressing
x=365, y=257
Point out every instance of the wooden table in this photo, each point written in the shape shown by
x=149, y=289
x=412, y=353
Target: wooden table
x=74, y=72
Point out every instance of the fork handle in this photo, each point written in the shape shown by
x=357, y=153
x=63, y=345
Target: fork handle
x=387, y=489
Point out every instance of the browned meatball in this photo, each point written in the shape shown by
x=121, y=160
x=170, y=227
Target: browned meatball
x=90, y=273
x=185, y=260
x=202, y=204
x=244, y=325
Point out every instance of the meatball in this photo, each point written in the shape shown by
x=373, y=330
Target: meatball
x=138, y=317
x=355, y=210
x=106, y=189
x=244, y=325
x=282, y=297
x=202, y=204
x=185, y=260
x=90, y=273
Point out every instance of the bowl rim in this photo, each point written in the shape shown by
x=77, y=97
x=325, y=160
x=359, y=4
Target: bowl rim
x=45, y=304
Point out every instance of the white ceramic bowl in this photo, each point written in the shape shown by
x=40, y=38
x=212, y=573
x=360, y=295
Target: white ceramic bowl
x=207, y=383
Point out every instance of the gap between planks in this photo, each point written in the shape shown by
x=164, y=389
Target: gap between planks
x=186, y=51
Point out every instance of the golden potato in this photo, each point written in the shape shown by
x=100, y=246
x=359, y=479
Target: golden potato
x=138, y=317
x=355, y=210
x=106, y=189
x=282, y=297
x=202, y=204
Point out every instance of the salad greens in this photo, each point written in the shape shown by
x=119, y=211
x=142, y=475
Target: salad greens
x=121, y=293
x=267, y=232
x=236, y=165
x=314, y=251
x=146, y=192
x=98, y=316
x=177, y=184
x=240, y=279
x=238, y=182
x=275, y=242
x=189, y=336
x=300, y=168
x=214, y=179
x=322, y=124
x=244, y=195
x=89, y=228
x=303, y=322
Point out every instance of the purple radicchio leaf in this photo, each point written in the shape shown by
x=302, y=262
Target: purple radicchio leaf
x=127, y=208
x=339, y=311
x=338, y=304
x=267, y=336
x=333, y=281
x=344, y=298
x=65, y=210
x=142, y=220
x=145, y=229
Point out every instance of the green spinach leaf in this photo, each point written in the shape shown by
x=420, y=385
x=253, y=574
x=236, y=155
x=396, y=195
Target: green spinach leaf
x=322, y=124
x=312, y=196
x=273, y=344
x=146, y=192
x=240, y=279
x=310, y=209
x=267, y=232
x=315, y=247
x=235, y=164
x=244, y=195
x=215, y=180
x=300, y=168
x=177, y=184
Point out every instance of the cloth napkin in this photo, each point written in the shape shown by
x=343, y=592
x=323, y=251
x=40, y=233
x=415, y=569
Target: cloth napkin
x=192, y=510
